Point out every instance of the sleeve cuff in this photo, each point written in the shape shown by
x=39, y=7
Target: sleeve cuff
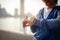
x=37, y=22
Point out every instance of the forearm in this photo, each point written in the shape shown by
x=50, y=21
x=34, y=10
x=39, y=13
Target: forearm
x=51, y=24
x=48, y=23
x=33, y=28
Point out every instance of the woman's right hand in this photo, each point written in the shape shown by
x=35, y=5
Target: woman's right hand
x=25, y=21
x=29, y=22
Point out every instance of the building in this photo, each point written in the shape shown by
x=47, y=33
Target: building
x=3, y=12
x=16, y=12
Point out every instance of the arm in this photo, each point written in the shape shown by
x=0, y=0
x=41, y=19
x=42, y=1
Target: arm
x=49, y=23
x=34, y=27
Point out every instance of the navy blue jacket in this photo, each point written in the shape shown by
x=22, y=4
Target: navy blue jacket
x=49, y=28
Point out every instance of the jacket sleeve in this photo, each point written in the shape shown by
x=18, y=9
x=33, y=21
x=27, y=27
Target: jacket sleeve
x=53, y=24
x=34, y=27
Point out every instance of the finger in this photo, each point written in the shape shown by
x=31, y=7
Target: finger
x=33, y=17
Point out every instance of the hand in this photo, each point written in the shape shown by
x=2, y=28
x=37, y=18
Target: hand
x=25, y=21
x=29, y=22
x=32, y=18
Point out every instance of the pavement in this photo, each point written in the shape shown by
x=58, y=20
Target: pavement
x=6, y=35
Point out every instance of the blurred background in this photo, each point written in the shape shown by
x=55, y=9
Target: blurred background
x=12, y=13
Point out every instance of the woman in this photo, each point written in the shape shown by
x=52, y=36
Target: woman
x=46, y=25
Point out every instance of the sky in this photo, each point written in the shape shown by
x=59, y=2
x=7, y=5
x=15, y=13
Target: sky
x=10, y=5
x=32, y=6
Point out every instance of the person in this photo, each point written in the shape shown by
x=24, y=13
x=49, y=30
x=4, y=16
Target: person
x=46, y=25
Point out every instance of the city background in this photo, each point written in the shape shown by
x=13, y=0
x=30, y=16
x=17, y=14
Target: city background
x=12, y=13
